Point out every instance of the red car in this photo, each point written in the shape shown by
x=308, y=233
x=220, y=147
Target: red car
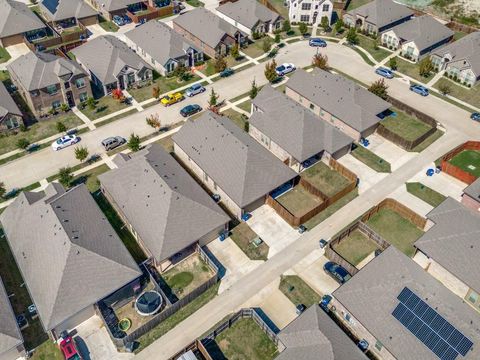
x=69, y=350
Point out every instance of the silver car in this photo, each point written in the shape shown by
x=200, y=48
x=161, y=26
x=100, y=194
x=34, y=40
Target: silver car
x=113, y=142
x=194, y=90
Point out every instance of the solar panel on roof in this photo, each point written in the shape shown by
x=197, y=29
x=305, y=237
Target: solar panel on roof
x=51, y=5
x=432, y=329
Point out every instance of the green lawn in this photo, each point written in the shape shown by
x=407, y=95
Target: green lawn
x=256, y=49
x=370, y=159
x=109, y=26
x=355, y=247
x=209, y=67
x=239, y=119
x=357, y=3
x=4, y=55
x=246, y=105
x=195, y=3
x=469, y=161
x=243, y=235
x=406, y=126
x=165, y=84
x=243, y=340
x=397, y=230
x=458, y=35
x=298, y=291
x=409, y=69
x=470, y=96
x=176, y=318
x=104, y=106
x=325, y=179
x=425, y=193
x=90, y=178
x=4, y=76
x=47, y=351
x=428, y=141
x=369, y=44
x=120, y=228
x=299, y=201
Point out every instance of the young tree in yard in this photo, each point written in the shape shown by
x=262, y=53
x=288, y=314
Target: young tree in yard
x=81, y=153
x=320, y=61
x=3, y=190
x=22, y=143
x=339, y=26
x=154, y=121
x=60, y=127
x=253, y=90
x=180, y=72
x=286, y=26
x=65, y=176
x=91, y=103
x=155, y=91
x=393, y=63
x=235, y=52
x=425, y=67
x=325, y=24
x=134, y=142
x=379, y=88
x=270, y=73
x=64, y=107
x=303, y=28
x=220, y=64
x=352, y=36
x=267, y=44
x=212, y=102
x=277, y=38
x=445, y=89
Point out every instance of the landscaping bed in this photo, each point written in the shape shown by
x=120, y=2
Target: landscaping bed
x=325, y=179
x=469, y=95
x=356, y=247
x=4, y=55
x=165, y=84
x=468, y=160
x=425, y=193
x=371, y=159
x=243, y=235
x=109, y=26
x=298, y=201
x=405, y=126
x=298, y=291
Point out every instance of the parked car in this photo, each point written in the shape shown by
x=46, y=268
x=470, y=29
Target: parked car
x=69, y=350
x=419, y=89
x=326, y=299
x=171, y=99
x=118, y=20
x=300, y=308
x=475, y=116
x=386, y=73
x=195, y=89
x=65, y=141
x=322, y=243
x=317, y=42
x=337, y=272
x=190, y=110
x=113, y=142
x=285, y=68
x=227, y=72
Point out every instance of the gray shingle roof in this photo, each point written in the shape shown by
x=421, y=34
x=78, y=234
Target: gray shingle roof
x=295, y=129
x=237, y=163
x=115, y=56
x=343, y=98
x=112, y=5
x=159, y=41
x=454, y=240
x=63, y=244
x=10, y=335
x=424, y=31
x=37, y=71
x=314, y=333
x=17, y=18
x=382, y=12
x=371, y=296
x=206, y=26
x=473, y=190
x=248, y=12
x=164, y=204
x=67, y=9
x=466, y=49
x=7, y=104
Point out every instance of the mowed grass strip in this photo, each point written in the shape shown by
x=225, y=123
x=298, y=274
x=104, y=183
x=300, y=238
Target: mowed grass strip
x=298, y=291
x=371, y=159
x=469, y=161
x=425, y=193
x=243, y=236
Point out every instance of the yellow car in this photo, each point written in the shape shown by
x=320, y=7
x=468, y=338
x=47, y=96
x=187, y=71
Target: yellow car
x=171, y=99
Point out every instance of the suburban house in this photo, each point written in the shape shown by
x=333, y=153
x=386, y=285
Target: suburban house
x=314, y=333
x=337, y=100
x=404, y=313
x=65, y=15
x=460, y=59
x=417, y=37
x=11, y=341
x=135, y=9
x=250, y=16
x=72, y=259
x=377, y=16
x=292, y=133
x=10, y=115
x=471, y=195
x=208, y=32
x=230, y=163
x=166, y=210
x=46, y=81
x=448, y=250
x=18, y=22
x=310, y=11
x=118, y=67
x=162, y=48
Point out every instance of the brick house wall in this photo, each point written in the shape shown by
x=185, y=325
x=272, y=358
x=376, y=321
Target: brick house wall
x=211, y=52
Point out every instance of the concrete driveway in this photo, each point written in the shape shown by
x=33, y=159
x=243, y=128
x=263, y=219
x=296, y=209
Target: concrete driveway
x=275, y=231
x=15, y=52
x=368, y=177
x=411, y=201
x=390, y=152
x=443, y=183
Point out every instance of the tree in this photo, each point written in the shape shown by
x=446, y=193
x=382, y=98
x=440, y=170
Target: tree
x=425, y=67
x=286, y=26
x=320, y=61
x=81, y=153
x=22, y=143
x=303, y=28
x=91, y=103
x=393, y=63
x=379, y=88
x=445, y=89
x=352, y=36
x=65, y=176
x=220, y=64
x=154, y=121
x=277, y=38
x=267, y=44
x=60, y=127
x=253, y=90
x=3, y=190
x=134, y=142
x=64, y=107
x=180, y=72
x=339, y=26
x=155, y=91
x=325, y=24
x=213, y=98
x=234, y=51
x=270, y=72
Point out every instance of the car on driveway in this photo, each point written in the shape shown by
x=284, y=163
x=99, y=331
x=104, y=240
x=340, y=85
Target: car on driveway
x=195, y=89
x=337, y=272
x=317, y=42
x=227, y=72
x=69, y=350
x=113, y=142
x=386, y=73
x=65, y=141
x=190, y=110
x=419, y=89
x=171, y=99
x=475, y=116
x=285, y=69
x=118, y=20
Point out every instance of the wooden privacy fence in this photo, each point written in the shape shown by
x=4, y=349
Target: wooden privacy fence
x=405, y=212
x=456, y=26
x=455, y=171
x=152, y=14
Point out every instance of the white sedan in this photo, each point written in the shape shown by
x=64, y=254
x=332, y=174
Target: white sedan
x=65, y=141
x=284, y=69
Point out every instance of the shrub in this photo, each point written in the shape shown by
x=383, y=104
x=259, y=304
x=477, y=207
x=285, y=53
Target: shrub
x=22, y=143
x=134, y=142
x=65, y=176
x=81, y=153
x=60, y=126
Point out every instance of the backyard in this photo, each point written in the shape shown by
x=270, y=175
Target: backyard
x=469, y=95
x=357, y=3
x=165, y=84
x=371, y=159
x=243, y=236
x=47, y=351
x=355, y=247
x=109, y=26
x=468, y=160
x=397, y=230
x=280, y=7
x=372, y=47
x=298, y=201
x=425, y=193
x=325, y=179
x=411, y=69
x=404, y=125
x=298, y=291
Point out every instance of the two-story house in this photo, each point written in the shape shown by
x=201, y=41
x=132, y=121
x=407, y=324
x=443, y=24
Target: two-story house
x=10, y=115
x=310, y=11
x=66, y=15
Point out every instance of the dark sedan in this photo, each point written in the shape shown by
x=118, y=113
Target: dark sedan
x=190, y=110
x=475, y=116
x=337, y=272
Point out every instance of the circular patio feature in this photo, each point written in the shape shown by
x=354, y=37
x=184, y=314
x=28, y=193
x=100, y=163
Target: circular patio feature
x=148, y=303
x=124, y=324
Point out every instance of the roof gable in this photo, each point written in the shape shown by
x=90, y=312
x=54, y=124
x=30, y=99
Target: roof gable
x=17, y=18
x=248, y=12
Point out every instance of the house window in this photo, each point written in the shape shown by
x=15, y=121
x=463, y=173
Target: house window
x=80, y=83
x=305, y=18
x=34, y=93
x=52, y=89
x=306, y=6
x=12, y=123
x=83, y=97
x=67, y=85
x=326, y=7
x=379, y=345
x=56, y=104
